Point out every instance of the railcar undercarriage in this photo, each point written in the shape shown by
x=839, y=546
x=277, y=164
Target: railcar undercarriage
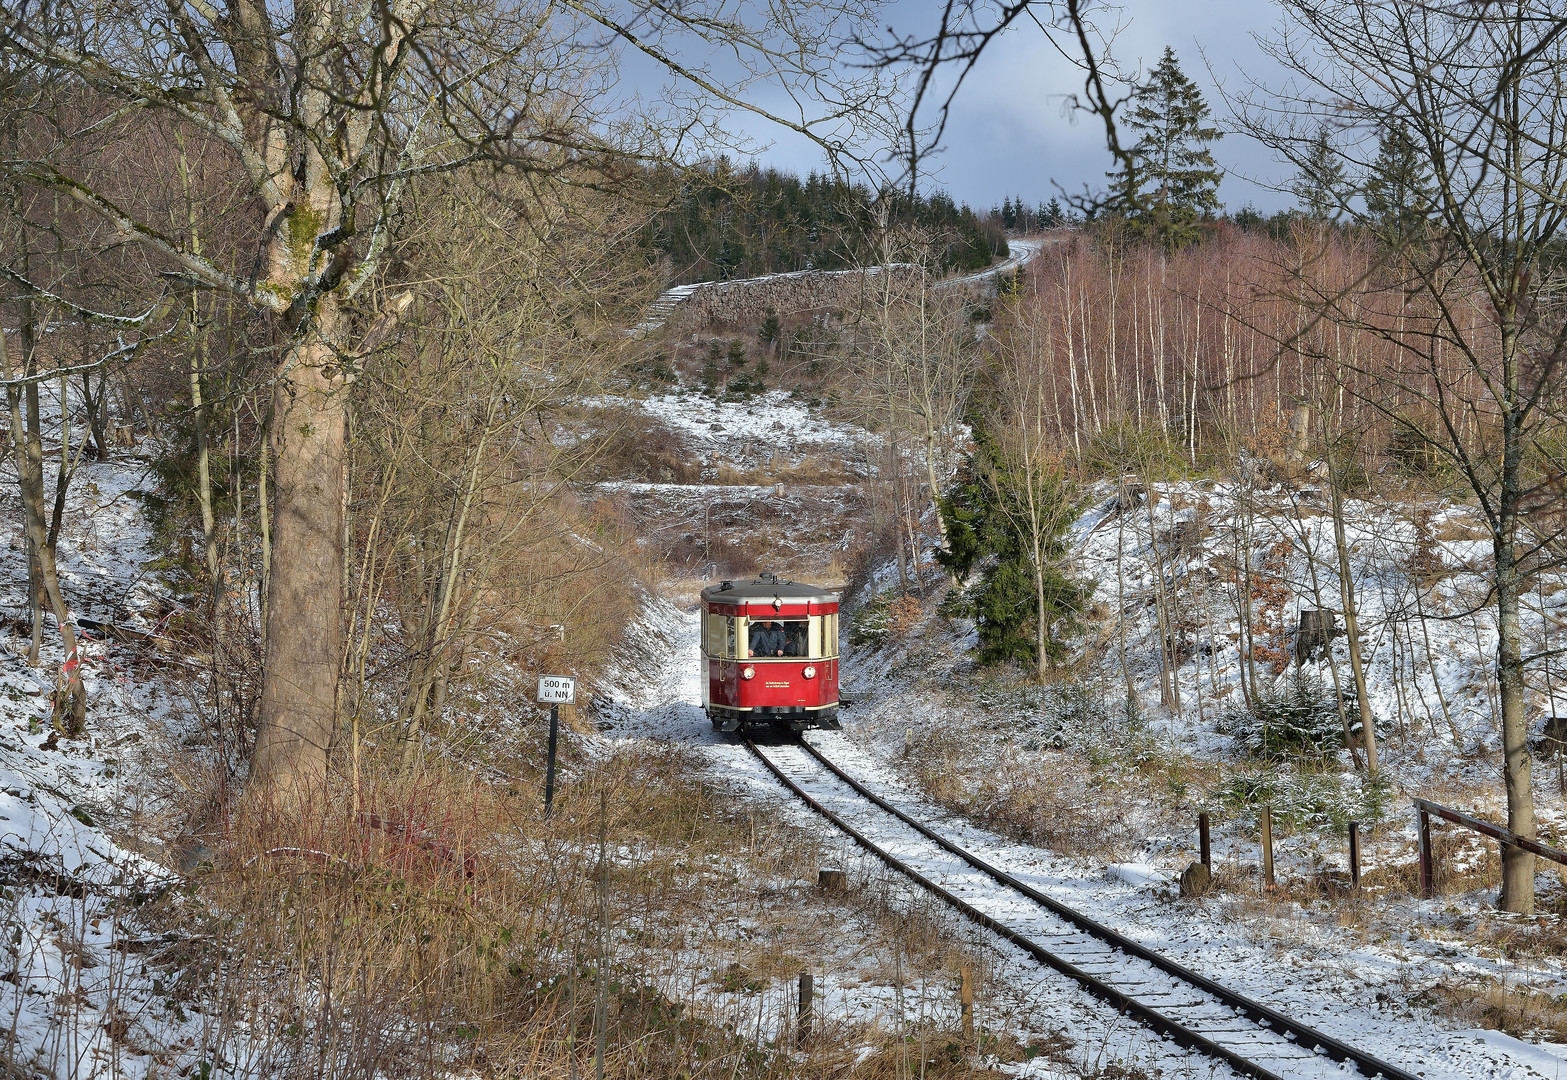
x=795, y=720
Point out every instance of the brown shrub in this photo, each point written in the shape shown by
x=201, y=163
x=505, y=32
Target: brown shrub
x=631, y=445
x=903, y=616
x=1517, y=1010
x=430, y=920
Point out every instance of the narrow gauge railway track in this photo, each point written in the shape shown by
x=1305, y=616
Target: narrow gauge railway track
x=1192, y=1010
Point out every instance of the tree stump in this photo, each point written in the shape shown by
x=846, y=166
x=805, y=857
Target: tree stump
x=1317, y=631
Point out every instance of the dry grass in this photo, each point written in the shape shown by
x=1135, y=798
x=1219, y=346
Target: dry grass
x=1053, y=799
x=437, y=922
x=1519, y=1011
x=811, y=469
x=633, y=446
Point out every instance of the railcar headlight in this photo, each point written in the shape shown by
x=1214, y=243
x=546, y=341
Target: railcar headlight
x=809, y=672
x=748, y=673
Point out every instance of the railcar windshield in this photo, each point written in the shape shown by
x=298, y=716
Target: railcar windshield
x=778, y=637
x=815, y=637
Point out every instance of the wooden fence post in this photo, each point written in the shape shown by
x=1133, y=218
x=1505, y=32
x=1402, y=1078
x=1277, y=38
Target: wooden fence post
x=807, y=993
x=1427, y=866
x=1267, y=845
x=1354, y=854
x=1203, y=844
x=966, y=996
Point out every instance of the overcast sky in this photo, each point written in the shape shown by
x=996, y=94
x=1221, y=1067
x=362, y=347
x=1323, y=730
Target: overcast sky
x=1008, y=136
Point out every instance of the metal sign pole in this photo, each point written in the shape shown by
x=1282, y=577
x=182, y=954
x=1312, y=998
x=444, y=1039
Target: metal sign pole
x=554, y=691
x=549, y=770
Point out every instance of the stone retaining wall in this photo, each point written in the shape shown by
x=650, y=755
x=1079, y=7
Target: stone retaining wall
x=747, y=302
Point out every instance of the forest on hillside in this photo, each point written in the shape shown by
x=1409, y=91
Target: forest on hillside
x=724, y=222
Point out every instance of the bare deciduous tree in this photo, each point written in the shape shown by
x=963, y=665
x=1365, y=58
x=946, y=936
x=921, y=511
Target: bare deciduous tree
x=1469, y=298
x=331, y=114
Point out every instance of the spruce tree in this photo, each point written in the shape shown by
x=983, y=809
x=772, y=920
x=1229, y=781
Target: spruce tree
x=710, y=370
x=771, y=329
x=1174, y=182
x=1398, y=189
x=984, y=513
x=1321, y=186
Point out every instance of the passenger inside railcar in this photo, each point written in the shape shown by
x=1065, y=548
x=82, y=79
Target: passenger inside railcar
x=794, y=638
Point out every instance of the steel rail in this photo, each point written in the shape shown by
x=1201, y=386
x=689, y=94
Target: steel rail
x=1124, y=1002
x=1304, y=1035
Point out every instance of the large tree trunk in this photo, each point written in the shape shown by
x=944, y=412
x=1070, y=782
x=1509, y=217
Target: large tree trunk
x=304, y=619
x=1511, y=581
x=1517, y=864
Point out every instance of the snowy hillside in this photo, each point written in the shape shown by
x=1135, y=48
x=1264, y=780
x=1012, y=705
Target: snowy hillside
x=83, y=821
x=1417, y=572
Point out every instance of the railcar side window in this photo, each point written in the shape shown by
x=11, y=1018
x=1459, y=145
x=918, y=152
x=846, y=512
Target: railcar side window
x=732, y=646
x=715, y=634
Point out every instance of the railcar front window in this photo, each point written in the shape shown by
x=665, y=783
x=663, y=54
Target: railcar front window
x=777, y=637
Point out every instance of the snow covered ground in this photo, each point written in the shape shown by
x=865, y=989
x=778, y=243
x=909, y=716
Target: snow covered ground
x=79, y=994
x=1417, y=569
x=1360, y=991
x=752, y=433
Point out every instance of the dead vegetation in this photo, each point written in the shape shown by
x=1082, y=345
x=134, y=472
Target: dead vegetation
x=434, y=920
x=1521, y=1012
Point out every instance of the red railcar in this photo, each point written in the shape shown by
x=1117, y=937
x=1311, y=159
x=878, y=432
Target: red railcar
x=770, y=654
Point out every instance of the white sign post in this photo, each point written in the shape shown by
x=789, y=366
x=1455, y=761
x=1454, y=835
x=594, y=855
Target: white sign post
x=554, y=691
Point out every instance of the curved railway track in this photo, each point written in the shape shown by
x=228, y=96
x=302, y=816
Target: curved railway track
x=1192, y=1010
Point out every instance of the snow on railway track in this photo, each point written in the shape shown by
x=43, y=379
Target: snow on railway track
x=1181, y=1005
x=1368, y=992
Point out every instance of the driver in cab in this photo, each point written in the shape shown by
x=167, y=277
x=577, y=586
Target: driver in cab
x=767, y=639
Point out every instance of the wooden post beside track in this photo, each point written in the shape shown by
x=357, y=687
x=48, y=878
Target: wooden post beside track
x=807, y=993
x=1267, y=846
x=1427, y=866
x=1204, y=845
x=1354, y=854
x=966, y=996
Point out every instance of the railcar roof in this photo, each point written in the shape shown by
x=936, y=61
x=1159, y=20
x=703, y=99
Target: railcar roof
x=765, y=587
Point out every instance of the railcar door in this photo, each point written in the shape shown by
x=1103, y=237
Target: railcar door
x=725, y=641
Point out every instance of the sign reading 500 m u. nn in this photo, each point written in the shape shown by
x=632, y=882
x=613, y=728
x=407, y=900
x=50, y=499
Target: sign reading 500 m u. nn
x=557, y=690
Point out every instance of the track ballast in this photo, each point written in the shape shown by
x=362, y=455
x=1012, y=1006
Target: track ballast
x=1192, y=1010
